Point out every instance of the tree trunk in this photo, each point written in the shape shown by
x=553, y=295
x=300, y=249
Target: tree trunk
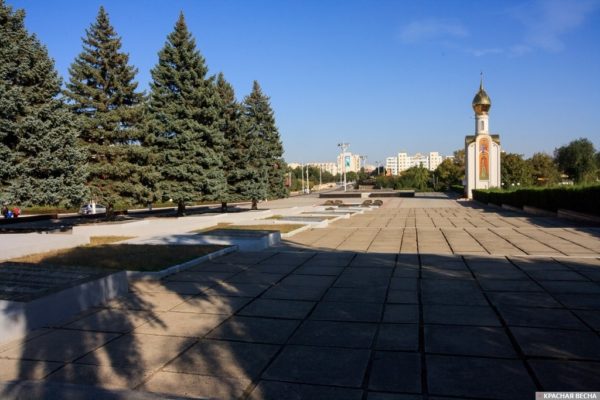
x=223, y=206
x=254, y=204
x=110, y=211
x=180, y=209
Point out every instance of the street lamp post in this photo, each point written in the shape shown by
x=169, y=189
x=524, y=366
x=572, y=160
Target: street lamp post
x=344, y=146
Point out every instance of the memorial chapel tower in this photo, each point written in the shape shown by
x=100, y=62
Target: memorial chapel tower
x=482, y=150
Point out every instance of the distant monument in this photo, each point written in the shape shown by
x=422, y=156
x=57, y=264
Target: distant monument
x=482, y=150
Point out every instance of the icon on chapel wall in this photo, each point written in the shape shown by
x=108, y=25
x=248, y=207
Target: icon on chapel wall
x=484, y=159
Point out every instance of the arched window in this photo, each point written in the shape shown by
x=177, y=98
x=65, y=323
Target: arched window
x=482, y=125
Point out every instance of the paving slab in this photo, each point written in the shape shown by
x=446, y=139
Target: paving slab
x=253, y=329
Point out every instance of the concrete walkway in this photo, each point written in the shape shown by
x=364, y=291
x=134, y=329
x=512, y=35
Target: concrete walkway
x=425, y=298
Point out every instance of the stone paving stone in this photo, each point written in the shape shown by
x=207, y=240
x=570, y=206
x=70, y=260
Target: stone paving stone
x=148, y=352
x=212, y=305
x=526, y=299
x=402, y=337
x=270, y=390
x=318, y=270
x=122, y=321
x=468, y=340
x=237, y=289
x=401, y=296
x=255, y=277
x=401, y=313
x=462, y=376
x=460, y=315
x=335, y=334
x=493, y=285
x=559, y=287
x=308, y=280
x=361, y=277
x=558, y=343
x=244, y=257
x=272, y=268
x=319, y=365
x=443, y=273
x=392, y=396
x=100, y=375
x=540, y=317
x=330, y=259
x=224, y=359
x=581, y=301
x=25, y=369
x=404, y=284
x=454, y=297
x=249, y=329
x=181, y=288
x=59, y=345
x=442, y=285
x=406, y=272
x=575, y=376
x=343, y=311
x=506, y=274
x=291, y=309
x=374, y=260
x=189, y=385
x=374, y=294
x=199, y=276
x=181, y=324
x=592, y=318
x=219, y=267
x=556, y=276
x=286, y=292
x=396, y=372
x=148, y=301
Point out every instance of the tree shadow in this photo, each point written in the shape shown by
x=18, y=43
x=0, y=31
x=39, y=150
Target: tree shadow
x=238, y=326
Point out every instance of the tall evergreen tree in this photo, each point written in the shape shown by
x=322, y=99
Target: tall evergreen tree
x=103, y=94
x=260, y=119
x=184, y=123
x=234, y=155
x=40, y=162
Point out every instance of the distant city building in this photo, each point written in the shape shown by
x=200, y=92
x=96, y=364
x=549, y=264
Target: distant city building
x=435, y=159
x=350, y=161
x=402, y=162
x=391, y=166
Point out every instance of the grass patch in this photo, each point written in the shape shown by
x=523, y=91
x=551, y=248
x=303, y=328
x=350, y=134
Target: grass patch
x=275, y=217
x=282, y=228
x=99, y=240
x=120, y=257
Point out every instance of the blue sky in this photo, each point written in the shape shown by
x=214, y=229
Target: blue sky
x=385, y=76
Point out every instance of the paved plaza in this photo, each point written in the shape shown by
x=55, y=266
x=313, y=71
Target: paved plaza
x=423, y=298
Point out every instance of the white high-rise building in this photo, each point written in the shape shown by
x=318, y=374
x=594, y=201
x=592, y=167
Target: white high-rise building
x=404, y=162
x=435, y=159
x=391, y=165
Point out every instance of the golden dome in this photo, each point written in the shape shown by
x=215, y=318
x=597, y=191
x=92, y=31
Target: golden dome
x=481, y=101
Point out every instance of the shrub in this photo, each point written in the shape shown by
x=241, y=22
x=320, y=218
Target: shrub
x=585, y=199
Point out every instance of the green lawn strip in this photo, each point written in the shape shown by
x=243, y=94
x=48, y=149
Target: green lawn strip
x=282, y=228
x=120, y=257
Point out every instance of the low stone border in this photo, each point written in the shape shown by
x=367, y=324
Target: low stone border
x=136, y=275
x=577, y=216
x=17, y=318
x=538, y=211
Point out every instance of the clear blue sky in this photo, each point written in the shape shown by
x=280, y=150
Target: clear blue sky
x=386, y=76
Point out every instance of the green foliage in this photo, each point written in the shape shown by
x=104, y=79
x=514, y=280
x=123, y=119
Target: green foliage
x=585, y=199
x=259, y=120
x=103, y=95
x=417, y=178
x=183, y=123
x=39, y=159
x=448, y=173
x=515, y=171
x=577, y=159
x=544, y=169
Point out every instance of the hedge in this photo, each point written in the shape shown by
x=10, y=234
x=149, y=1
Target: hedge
x=584, y=199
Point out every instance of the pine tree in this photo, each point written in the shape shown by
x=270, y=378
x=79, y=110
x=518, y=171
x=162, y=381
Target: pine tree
x=184, y=123
x=103, y=94
x=40, y=163
x=261, y=121
x=234, y=157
